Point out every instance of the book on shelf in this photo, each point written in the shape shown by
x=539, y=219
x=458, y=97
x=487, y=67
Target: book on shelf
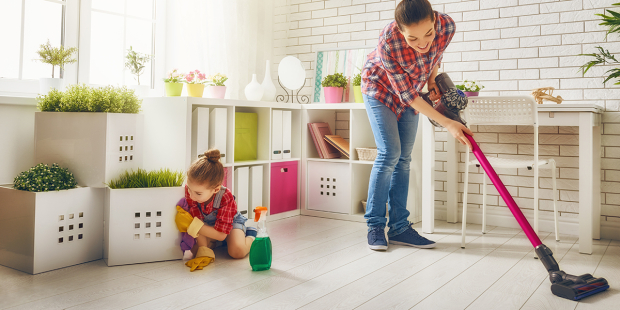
x=318, y=131
x=339, y=143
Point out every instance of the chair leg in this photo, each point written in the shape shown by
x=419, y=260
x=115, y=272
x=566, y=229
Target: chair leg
x=555, y=204
x=465, y=181
x=484, y=202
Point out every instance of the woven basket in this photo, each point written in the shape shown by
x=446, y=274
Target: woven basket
x=366, y=153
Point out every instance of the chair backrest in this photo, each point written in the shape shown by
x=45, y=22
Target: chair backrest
x=502, y=110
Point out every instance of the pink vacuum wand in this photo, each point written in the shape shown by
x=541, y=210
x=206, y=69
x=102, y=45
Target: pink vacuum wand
x=563, y=284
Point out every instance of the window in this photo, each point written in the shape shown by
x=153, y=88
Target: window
x=22, y=33
x=115, y=25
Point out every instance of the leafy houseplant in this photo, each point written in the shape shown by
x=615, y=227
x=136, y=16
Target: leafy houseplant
x=143, y=179
x=82, y=98
x=173, y=82
x=357, y=88
x=471, y=88
x=136, y=62
x=195, y=83
x=43, y=178
x=55, y=56
x=334, y=85
x=217, y=89
x=603, y=56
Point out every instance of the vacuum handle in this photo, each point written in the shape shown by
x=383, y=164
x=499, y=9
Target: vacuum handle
x=444, y=82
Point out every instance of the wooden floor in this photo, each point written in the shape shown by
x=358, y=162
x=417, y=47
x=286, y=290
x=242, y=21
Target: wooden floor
x=326, y=264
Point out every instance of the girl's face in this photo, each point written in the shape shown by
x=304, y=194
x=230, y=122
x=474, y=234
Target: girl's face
x=420, y=36
x=200, y=192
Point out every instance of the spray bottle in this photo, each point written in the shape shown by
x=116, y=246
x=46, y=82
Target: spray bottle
x=260, y=252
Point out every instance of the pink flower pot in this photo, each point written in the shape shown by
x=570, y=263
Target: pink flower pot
x=333, y=94
x=216, y=92
x=471, y=93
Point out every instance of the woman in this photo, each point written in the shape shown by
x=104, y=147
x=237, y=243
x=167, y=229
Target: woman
x=407, y=57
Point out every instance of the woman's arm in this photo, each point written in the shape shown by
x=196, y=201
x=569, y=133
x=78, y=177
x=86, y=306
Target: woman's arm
x=455, y=128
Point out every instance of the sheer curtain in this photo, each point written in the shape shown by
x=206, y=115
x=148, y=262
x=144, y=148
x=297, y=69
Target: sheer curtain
x=233, y=37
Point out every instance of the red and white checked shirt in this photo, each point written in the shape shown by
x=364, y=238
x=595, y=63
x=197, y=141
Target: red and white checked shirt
x=225, y=214
x=394, y=72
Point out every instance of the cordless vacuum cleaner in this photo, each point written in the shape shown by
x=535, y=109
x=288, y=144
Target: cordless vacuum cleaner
x=564, y=285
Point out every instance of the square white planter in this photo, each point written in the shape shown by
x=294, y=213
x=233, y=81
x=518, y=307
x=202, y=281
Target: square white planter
x=95, y=147
x=50, y=230
x=139, y=225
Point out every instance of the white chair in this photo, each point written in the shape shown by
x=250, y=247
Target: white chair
x=517, y=110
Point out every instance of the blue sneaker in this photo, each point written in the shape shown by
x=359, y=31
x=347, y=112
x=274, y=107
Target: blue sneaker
x=251, y=232
x=410, y=237
x=376, y=239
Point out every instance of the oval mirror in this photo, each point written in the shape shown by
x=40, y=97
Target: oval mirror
x=291, y=73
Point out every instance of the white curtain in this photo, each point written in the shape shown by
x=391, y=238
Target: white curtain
x=233, y=37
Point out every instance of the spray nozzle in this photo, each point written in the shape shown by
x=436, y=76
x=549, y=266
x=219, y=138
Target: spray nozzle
x=258, y=212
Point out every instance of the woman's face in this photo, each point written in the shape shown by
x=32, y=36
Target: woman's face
x=199, y=192
x=420, y=36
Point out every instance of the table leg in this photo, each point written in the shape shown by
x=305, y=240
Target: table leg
x=428, y=176
x=587, y=176
x=452, y=189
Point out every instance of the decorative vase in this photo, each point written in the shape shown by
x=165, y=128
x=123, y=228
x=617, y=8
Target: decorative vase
x=173, y=89
x=333, y=94
x=254, y=91
x=269, y=90
x=195, y=90
x=218, y=92
x=46, y=84
x=357, y=91
x=471, y=93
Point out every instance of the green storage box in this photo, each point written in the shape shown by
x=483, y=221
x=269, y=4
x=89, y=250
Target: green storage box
x=246, y=136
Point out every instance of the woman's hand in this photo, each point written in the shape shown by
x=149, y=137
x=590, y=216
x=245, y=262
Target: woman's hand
x=458, y=131
x=433, y=90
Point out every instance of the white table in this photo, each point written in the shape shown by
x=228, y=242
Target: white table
x=586, y=116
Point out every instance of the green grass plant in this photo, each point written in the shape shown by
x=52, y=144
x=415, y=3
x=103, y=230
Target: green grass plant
x=83, y=98
x=143, y=179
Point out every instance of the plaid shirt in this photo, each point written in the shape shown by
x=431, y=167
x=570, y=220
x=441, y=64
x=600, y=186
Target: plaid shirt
x=225, y=214
x=394, y=72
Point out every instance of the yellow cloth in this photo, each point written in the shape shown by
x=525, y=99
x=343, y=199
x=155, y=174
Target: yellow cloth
x=204, y=257
x=187, y=223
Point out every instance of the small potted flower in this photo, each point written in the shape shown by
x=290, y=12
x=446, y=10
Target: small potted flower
x=55, y=56
x=333, y=86
x=357, y=88
x=173, y=84
x=195, y=81
x=470, y=88
x=217, y=89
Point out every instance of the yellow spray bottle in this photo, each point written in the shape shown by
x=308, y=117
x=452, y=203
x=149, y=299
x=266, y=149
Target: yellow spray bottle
x=260, y=252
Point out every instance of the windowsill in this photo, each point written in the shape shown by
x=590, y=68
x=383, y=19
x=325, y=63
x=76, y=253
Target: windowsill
x=14, y=99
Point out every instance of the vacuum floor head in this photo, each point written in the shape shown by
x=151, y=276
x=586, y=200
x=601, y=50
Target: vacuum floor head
x=579, y=287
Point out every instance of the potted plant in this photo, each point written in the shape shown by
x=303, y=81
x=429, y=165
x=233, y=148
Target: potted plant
x=334, y=85
x=139, y=213
x=357, y=88
x=47, y=223
x=603, y=56
x=217, y=89
x=195, y=83
x=136, y=62
x=470, y=88
x=55, y=56
x=97, y=145
x=173, y=84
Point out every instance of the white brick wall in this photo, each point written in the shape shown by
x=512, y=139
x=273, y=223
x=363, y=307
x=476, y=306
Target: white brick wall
x=511, y=46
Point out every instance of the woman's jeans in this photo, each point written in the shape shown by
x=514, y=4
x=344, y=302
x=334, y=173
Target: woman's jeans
x=389, y=178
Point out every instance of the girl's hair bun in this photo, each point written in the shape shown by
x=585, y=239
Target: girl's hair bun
x=212, y=155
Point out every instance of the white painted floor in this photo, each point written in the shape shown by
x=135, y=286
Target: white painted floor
x=326, y=264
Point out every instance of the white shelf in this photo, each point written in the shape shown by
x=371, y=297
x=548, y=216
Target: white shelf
x=241, y=103
x=250, y=163
x=334, y=106
x=363, y=162
x=285, y=160
x=330, y=160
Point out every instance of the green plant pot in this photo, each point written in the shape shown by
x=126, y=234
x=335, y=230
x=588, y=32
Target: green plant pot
x=173, y=89
x=357, y=91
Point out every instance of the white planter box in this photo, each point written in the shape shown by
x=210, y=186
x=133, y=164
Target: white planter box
x=50, y=230
x=139, y=225
x=95, y=147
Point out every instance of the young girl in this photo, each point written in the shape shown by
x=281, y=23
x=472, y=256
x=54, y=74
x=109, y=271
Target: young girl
x=212, y=212
x=407, y=57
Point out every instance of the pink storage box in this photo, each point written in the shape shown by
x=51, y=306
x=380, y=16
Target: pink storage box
x=283, y=187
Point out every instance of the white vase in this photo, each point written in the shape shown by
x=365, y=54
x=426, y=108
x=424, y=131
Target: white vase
x=269, y=90
x=46, y=84
x=254, y=91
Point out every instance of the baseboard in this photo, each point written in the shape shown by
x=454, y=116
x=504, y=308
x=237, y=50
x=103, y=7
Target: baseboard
x=283, y=215
x=502, y=217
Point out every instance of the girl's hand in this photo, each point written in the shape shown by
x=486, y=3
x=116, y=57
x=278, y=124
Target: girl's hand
x=458, y=131
x=433, y=90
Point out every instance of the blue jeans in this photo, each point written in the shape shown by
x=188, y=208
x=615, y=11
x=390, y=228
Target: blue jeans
x=389, y=178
